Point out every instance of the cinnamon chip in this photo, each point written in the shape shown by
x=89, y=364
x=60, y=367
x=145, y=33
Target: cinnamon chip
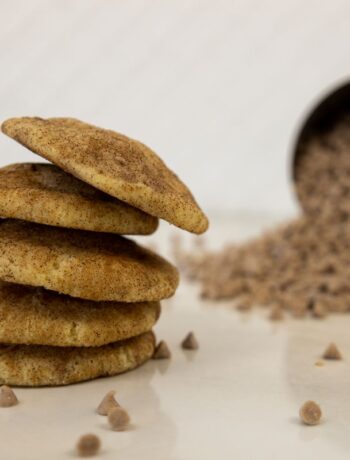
x=310, y=413
x=162, y=351
x=276, y=313
x=88, y=445
x=108, y=402
x=7, y=397
x=332, y=352
x=319, y=310
x=118, y=419
x=190, y=342
x=244, y=304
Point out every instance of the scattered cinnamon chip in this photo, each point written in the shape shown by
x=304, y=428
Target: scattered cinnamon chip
x=107, y=403
x=319, y=310
x=310, y=413
x=276, y=313
x=88, y=445
x=7, y=397
x=162, y=351
x=190, y=342
x=118, y=419
x=244, y=304
x=332, y=352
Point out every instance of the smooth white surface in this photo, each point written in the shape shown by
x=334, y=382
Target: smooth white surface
x=237, y=397
x=218, y=88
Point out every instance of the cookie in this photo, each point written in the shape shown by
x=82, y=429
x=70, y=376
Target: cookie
x=45, y=194
x=35, y=316
x=89, y=265
x=38, y=365
x=114, y=163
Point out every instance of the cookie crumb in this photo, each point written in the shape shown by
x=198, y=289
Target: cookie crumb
x=107, y=403
x=118, y=419
x=190, y=342
x=276, y=313
x=162, y=351
x=310, y=413
x=332, y=352
x=7, y=397
x=88, y=445
x=319, y=363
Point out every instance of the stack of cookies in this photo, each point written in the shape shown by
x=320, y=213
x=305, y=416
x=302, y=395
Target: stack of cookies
x=77, y=300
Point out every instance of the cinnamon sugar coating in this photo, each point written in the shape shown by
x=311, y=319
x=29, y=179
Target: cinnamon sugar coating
x=37, y=365
x=35, y=316
x=111, y=162
x=45, y=194
x=93, y=266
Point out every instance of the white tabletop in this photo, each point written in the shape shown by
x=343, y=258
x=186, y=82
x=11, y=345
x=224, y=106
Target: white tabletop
x=237, y=397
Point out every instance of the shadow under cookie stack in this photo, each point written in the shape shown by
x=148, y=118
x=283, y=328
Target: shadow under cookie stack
x=77, y=300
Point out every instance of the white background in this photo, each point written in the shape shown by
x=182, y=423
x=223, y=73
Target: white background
x=217, y=88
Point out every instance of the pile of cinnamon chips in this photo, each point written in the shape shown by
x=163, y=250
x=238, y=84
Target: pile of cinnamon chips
x=303, y=266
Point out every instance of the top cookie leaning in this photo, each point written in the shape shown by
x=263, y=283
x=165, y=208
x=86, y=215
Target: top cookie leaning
x=117, y=165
